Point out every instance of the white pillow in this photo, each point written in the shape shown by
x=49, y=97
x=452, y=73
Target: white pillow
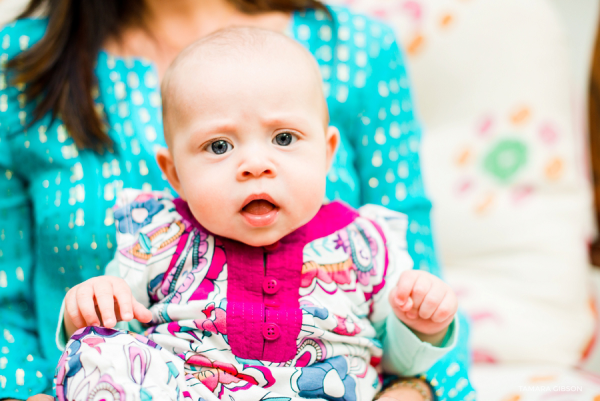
x=502, y=163
x=523, y=382
x=9, y=9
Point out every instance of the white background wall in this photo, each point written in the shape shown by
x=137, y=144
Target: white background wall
x=9, y=9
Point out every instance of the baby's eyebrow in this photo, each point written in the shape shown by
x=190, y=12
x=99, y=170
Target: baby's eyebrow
x=284, y=121
x=215, y=128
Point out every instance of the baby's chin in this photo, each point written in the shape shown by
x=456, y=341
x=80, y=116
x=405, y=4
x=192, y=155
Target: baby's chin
x=258, y=237
x=264, y=236
x=256, y=240
x=257, y=243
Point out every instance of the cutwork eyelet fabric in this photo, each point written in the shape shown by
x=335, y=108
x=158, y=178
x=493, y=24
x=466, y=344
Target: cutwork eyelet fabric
x=56, y=218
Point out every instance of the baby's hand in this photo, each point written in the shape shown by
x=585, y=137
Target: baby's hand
x=92, y=303
x=425, y=304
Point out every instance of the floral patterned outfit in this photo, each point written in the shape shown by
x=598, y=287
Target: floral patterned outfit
x=307, y=317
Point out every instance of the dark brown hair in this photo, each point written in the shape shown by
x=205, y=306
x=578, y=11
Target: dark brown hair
x=58, y=70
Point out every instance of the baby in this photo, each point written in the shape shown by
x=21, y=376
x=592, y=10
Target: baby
x=256, y=290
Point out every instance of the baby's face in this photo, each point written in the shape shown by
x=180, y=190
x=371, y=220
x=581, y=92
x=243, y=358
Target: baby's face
x=249, y=147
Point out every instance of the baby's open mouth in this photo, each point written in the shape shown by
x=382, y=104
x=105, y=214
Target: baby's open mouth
x=259, y=206
x=260, y=210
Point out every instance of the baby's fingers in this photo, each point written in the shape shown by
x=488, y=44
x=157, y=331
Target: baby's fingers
x=72, y=309
x=85, y=303
x=404, y=287
x=104, y=294
x=408, y=305
x=447, y=308
x=432, y=300
x=122, y=293
x=421, y=289
x=141, y=313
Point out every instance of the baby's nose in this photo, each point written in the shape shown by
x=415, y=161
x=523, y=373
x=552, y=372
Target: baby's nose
x=257, y=173
x=256, y=167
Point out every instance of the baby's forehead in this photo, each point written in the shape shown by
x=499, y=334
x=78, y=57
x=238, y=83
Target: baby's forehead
x=239, y=56
x=238, y=47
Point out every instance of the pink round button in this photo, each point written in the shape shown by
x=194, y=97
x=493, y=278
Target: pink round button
x=270, y=285
x=271, y=331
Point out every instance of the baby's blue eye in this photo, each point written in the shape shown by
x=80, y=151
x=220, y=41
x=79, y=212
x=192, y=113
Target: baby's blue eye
x=219, y=147
x=284, y=139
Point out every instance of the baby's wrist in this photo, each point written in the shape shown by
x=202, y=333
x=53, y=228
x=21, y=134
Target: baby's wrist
x=435, y=339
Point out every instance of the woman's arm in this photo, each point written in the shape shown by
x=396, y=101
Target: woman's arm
x=388, y=165
x=23, y=371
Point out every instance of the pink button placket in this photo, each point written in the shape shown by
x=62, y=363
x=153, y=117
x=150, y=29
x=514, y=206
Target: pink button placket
x=263, y=311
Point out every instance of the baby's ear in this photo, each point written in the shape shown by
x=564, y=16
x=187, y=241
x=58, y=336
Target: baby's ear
x=332, y=140
x=166, y=164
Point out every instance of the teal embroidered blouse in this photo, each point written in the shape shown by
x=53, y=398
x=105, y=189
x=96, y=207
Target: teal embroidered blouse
x=56, y=222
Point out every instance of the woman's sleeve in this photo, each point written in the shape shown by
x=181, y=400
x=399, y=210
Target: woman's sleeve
x=387, y=142
x=23, y=372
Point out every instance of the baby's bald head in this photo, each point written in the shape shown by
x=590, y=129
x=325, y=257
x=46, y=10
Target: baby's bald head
x=228, y=56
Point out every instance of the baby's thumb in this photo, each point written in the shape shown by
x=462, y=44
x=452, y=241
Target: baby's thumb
x=141, y=313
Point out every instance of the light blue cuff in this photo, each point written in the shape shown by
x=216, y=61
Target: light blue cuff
x=112, y=269
x=61, y=333
x=405, y=354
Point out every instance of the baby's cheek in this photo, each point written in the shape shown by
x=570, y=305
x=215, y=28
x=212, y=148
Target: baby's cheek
x=210, y=200
x=309, y=192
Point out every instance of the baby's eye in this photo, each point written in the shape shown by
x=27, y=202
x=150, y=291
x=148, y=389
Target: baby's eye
x=284, y=139
x=219, y=147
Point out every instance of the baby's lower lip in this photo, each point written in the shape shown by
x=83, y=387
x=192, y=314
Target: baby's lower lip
x=261, y=220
